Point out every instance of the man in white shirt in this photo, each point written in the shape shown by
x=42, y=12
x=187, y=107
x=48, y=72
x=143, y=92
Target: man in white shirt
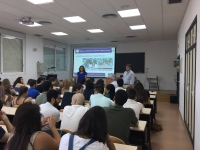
x=120, y=83
x=73, y=114
x=49, y=108
x=98, y=99
x=113, y=81
x=128, y=75
x=132, y=103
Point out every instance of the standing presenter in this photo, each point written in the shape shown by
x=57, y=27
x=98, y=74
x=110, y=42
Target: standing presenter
x=81, y=74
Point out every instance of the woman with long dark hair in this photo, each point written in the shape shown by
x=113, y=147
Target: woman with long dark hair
x=18, y=82
x=6, y=96
x=27, y=134
x=141, y=94
x=92, y=133
x=22, y=98
x=110, y=90
x=81, y=74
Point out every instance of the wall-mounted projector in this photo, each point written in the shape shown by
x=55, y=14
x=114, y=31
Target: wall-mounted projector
x=26, y=21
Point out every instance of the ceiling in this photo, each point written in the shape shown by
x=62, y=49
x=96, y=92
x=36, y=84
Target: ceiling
x=161, y=19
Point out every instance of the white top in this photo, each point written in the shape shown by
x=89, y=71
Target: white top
x=71, y=117
x=80, y=142
x=128, y=77
x=119, y=88
x=48, y=110
x=115, y=84
x=70, y=89
x=100, y=100
x=136, y=106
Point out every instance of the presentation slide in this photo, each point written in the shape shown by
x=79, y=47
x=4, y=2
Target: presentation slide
x=98, y=62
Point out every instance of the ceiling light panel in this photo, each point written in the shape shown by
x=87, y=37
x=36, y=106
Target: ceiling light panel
x=33, y=25
x=74, y=19
x=129, y=13
x=38, y=2
x=138, y=27
x=95, y=30
x=59, y=33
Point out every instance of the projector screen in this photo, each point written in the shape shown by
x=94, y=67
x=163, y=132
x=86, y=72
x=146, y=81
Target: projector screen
x=98, y=62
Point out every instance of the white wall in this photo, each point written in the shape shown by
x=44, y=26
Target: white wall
x=192, y=11
x=31, y=58
x=159, y=58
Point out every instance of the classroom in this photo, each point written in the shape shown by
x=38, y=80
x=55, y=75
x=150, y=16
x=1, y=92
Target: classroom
x=83, y=50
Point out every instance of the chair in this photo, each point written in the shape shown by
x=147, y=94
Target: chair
x=67, y=131
x=116, y=140
x=153, y=83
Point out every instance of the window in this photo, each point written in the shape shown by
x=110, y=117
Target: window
x=11, y=54
x=54, y=56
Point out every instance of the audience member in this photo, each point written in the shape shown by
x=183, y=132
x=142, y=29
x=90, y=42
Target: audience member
x=27, y=134
x=83, y=83
x=49, y=108
x=32, y=92
x=22, y=98
x=141, y=94
x=39, y=88
x=92, y=133
x=66, y=87
x=3, y=135
x=110, y=90
x=119, y=118
x=101, y=83
x=5, y=82
x=28, y=83
x=89, y=89
x=120, y=83
x=132, y=103
x=67, y=98
x=52, y=80
x=72, y=114
x=113, y=80
x=98, y=99
x=6, y=96
x=42, y=98
x=18, y=83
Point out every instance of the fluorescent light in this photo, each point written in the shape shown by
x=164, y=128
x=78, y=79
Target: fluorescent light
x=95, y=30
x=9, y=37
x=129, y=13
x=59, y=33
x=138, y=27
x=33, y=25
x=36, y=2
x=74, y=19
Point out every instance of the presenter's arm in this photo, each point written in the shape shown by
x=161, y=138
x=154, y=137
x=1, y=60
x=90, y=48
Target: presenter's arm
x=132, y=79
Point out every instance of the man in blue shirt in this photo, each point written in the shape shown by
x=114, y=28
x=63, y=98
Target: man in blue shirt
x=32, y=92
x=128, y=75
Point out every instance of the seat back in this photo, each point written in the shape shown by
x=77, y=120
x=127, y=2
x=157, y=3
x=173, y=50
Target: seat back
x=116, y=140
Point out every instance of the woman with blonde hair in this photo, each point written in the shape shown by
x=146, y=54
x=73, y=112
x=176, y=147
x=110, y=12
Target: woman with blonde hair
x=66, y=86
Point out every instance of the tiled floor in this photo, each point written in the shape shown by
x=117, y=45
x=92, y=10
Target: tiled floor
x=174, y=135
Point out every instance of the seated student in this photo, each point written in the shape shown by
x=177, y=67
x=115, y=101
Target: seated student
x=119, y=118
x=28, y=135
x=110, y=90
x=72, y=114
x=32, y=92
x=42, y=98
x=49, y=108
x=3, y=135
x=83, y=83
x=136, y=81
x=66, y=87
x=22, y=98
x=132, y=103
x=141, y=93
x=100, y=82
x=113, y=80
x=52, y=80
x=5, y=82
x=39, y=88
x=18, y=83
x=92, y=133
x=98, y=99
x=89, y=89
x=120, y=83
x=67, y=98
x=7, y=95
x=28, y=83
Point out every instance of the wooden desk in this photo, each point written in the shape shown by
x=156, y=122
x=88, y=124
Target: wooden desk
x=9, y=110
x=145, y=115
x=125, y=147
x=4, y=127
x=153, y=97
x=153, y=92
x=138, y=134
